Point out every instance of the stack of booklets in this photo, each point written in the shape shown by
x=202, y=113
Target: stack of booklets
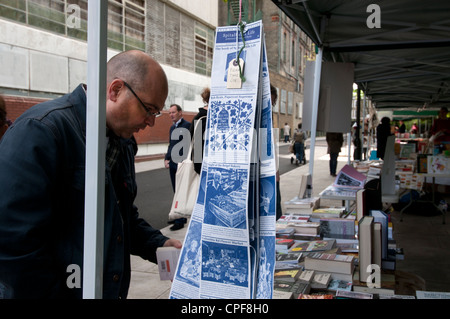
x=327, y=212
x=339, y=228
x=282, y=245
x=301, y=206
x=313, y=246
x=301, y=225
x=331, y=263
x=287, y=284
x=303, y=203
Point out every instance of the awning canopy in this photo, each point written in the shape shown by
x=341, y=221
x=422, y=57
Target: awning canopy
x=403, y=64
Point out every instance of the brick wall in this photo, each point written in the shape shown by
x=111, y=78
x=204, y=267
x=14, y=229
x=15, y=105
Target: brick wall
x=16, y=105
x=159, y=133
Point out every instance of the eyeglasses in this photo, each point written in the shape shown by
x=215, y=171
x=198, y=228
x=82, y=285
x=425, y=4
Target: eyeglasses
x=149, y=112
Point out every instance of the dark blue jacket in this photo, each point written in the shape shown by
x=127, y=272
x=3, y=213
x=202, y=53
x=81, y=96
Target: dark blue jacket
x=42, y=183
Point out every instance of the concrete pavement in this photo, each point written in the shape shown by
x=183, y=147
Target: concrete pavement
x=145, y=282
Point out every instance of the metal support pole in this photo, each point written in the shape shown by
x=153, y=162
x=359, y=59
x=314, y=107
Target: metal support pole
x=315, y=108
x=358, y=149
x=95, y=150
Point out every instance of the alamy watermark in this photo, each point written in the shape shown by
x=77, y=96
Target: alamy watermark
x=182, y=147
x=374, y=19
x=73, y=19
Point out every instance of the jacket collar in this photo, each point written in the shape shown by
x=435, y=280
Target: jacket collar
x=78, y=100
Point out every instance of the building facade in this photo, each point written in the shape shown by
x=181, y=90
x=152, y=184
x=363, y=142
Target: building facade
x=287, y=47
x=43, y=51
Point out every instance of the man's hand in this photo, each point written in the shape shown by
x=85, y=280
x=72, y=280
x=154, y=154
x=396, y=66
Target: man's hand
x=173, y=242
x=166, y=163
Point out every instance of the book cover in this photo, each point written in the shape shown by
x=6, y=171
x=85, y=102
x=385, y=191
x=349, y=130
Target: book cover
x=306, y=275
x=320, y=281
x=365, y=237
x=280, y=294
x=292, y=258
x=344, y=294
x=300, y=288
x=376, y=245
x=361, y=209
x=308, y=228
x=382, y=218
x=328, y=212
x=282, y=231
x=340, y=228
x=283, y=286
x=307, y=202
x=349, y=177
x=316, y=296
x=334, y=263
x=420, y=294
x=291, y=219
x=312, y=246
x=438, y=164
x=167, y=259
x=289, y=275
x=283, y=244
x=338, y=284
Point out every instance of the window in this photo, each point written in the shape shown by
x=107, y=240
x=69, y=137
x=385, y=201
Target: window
x=204, y=45
x=299, y=110
x=126, y=24
x=283, y=102
x=290, y=102
x=126, y=19
x=293, y=53
x=178, y=39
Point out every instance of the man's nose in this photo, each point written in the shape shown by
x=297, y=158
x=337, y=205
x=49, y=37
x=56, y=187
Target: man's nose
x=150, y=120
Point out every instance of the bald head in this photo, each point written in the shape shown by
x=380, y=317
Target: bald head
x=137, y=69
x=136, y=88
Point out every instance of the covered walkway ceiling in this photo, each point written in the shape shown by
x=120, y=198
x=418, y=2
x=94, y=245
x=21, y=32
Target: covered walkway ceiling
x=404, y=64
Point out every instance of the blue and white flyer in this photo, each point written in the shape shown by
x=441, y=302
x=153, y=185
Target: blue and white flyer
x=229, y=248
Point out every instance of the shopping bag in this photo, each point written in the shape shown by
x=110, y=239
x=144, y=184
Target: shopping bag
x=291, y=148
x=186, y=187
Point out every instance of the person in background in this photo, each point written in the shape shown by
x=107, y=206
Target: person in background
x=175, y=136
x=414, y=129
x=279, y=212
x=42, y=182
x=202, y=113
x=299, y=145
x=334, y=142
x=383, y=132
x=171, y=159
x=440, y=130
x=402, y=127
x=287, y=132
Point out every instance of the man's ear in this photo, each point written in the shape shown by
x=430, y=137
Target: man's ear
x=115, y=89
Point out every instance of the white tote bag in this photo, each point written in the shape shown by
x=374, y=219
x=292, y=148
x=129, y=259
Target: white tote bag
x=186, y=186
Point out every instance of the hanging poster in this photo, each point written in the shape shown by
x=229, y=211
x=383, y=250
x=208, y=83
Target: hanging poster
x=228, y=246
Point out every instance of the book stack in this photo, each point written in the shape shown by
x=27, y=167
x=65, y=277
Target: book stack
x=287, y=261
x=287, y=284
x=301, y=206
x=327, y=212
x=339, y=228
x=303, y=203
x=340, y=267
x=302, y=226
x=313, y=246
x=282, y=245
